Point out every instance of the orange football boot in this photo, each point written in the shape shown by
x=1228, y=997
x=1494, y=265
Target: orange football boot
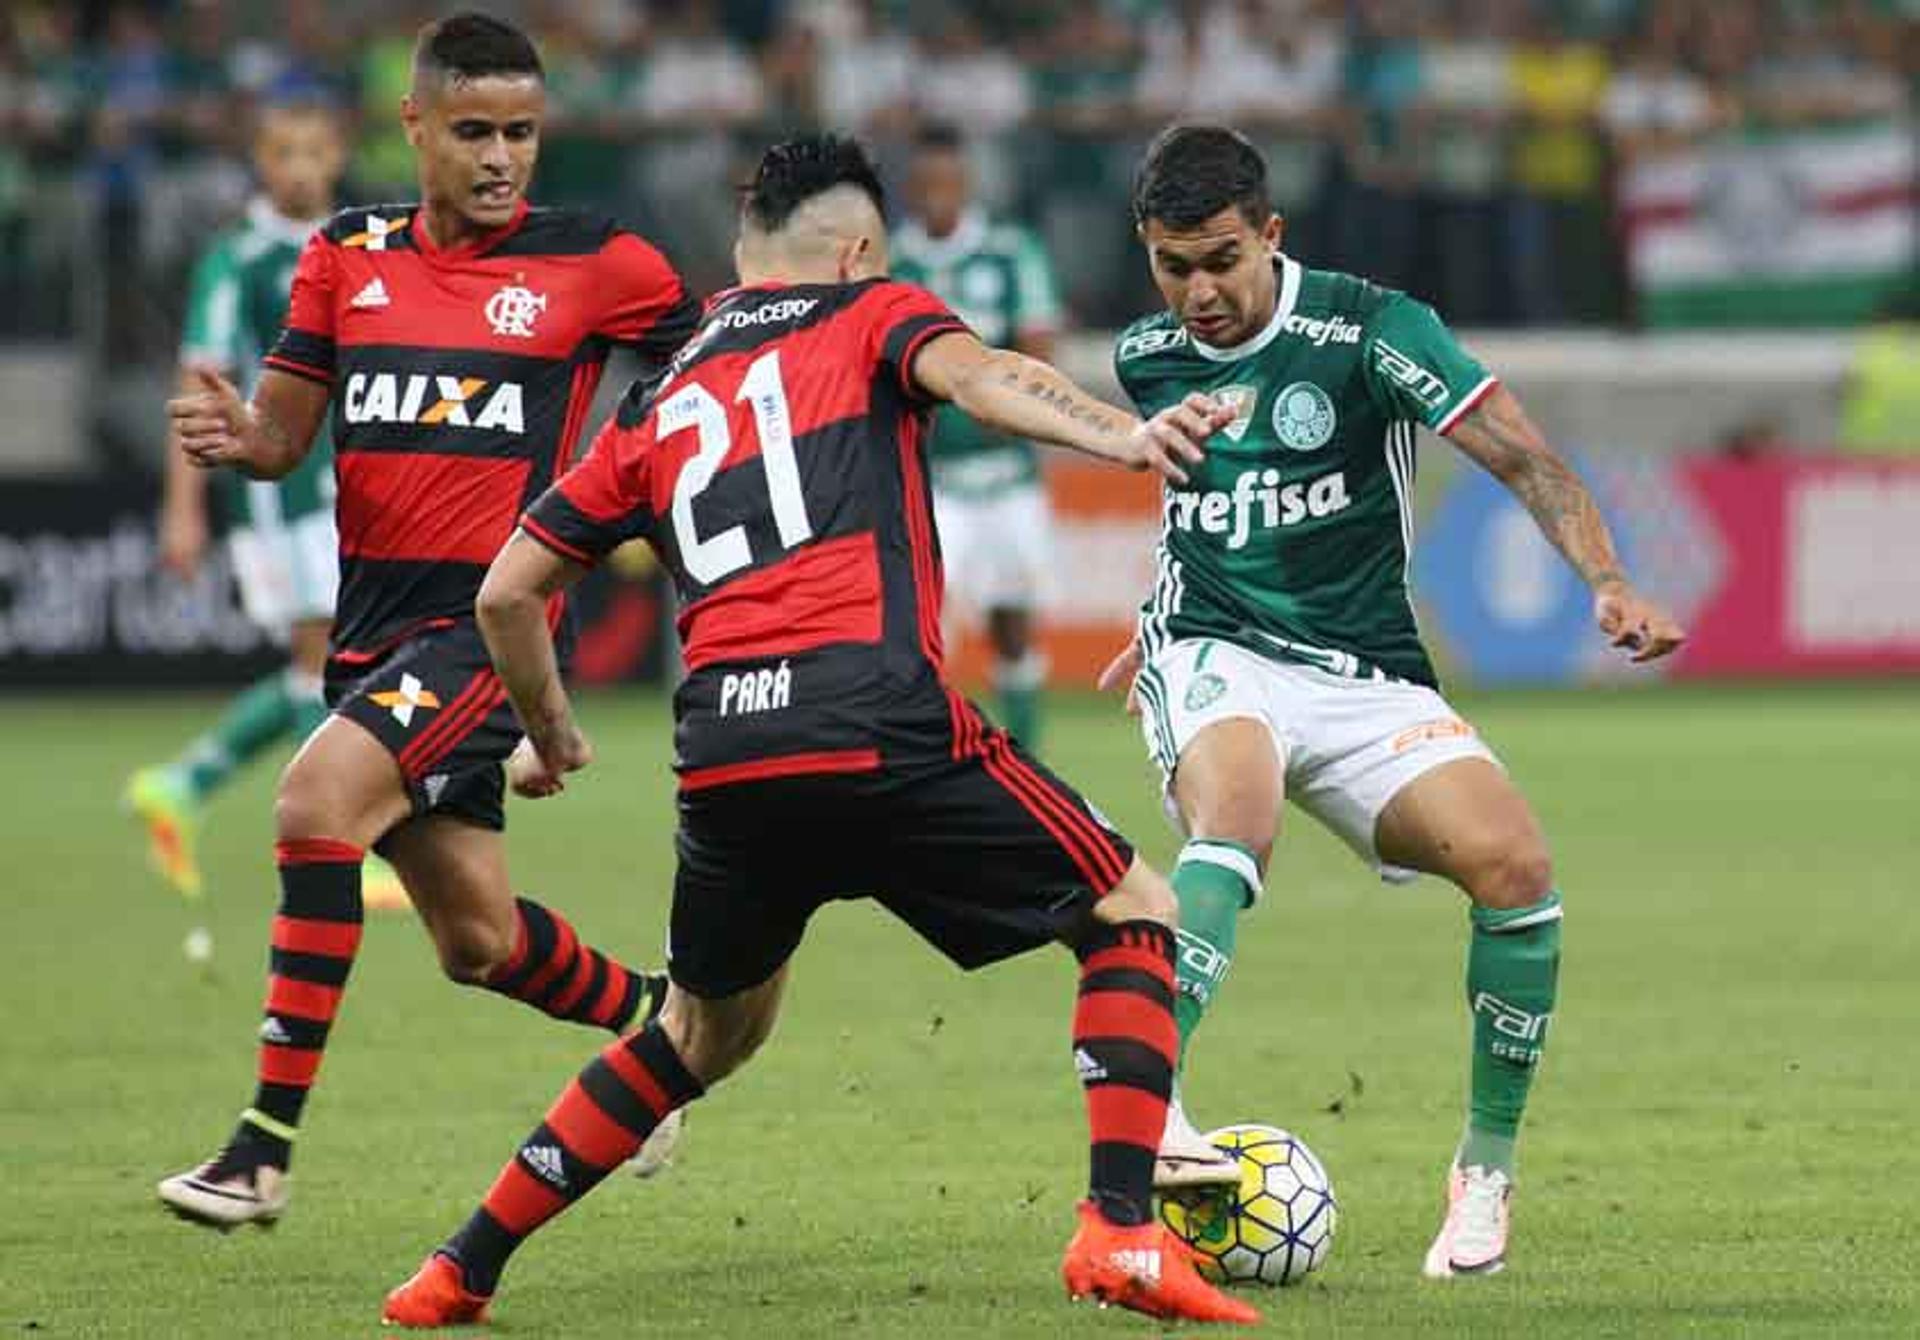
x=436, y=1296
x=1145, y=1269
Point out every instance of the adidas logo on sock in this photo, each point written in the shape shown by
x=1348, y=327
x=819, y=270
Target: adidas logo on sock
x=373, y=295
x=1090, y=1070
x=547, y=1163
x=272, y=1030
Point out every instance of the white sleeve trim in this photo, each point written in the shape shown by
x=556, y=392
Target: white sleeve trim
x=1467, y=402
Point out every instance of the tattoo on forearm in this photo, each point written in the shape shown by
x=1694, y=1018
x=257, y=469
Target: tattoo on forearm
x=1566, y=512
x=1061, y=401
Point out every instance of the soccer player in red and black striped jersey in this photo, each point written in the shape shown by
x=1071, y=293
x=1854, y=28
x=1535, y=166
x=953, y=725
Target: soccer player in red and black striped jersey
x=458, y=343
x=779, y=472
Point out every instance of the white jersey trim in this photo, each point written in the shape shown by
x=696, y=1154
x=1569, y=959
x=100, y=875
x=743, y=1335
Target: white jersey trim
x=1467, y=402
x=1282, y=309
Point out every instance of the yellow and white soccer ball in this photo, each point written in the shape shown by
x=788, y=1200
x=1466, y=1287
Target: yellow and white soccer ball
x=1275, y=1227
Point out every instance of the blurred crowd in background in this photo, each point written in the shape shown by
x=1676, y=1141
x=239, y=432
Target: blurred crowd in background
x=1462, y=149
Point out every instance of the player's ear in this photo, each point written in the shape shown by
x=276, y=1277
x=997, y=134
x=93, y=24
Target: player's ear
x=1274, y=230
x=410, y=118
x=854, y=257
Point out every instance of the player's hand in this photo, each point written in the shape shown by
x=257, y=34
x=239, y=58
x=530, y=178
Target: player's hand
x=1177, y=436
x=1125, y=666
x=210, y=422
x=1632, y=621
x=183, y=539
x=537, y=770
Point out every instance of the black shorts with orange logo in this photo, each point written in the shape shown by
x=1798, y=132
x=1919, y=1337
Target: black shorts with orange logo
x=980, y=849
x=436, y=704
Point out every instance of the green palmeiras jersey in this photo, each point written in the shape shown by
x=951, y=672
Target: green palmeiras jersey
x=1292, y=537
x=235, y=307
x=996, y=278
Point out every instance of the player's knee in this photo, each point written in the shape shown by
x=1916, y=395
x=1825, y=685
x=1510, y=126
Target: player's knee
x=1511, y=874
x=472, y=950
x=714, y=1042
x=304, y=806
x=1142, y=895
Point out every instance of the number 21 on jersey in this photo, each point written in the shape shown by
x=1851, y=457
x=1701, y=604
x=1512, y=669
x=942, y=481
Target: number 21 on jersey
x=710, y=558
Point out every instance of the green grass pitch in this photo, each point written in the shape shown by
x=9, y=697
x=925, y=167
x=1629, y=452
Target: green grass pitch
x=1722, y=1143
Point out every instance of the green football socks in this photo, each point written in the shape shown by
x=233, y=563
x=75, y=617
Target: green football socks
x=1214, y=880
x=1513, y=973
x=277, y=705
x=1017, y=687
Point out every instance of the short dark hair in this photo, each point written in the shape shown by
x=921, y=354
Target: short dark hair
x=795, y=171
x=939, y=137
x=1193, y=172
x=471, y=45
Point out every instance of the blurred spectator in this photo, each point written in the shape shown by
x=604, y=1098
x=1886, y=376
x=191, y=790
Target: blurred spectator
x=1815, y=67
x=588, y=53
x=1653, y=102
x=696, y=88
x=866, y=67
x=790, y=70
x=1384, y=75
x=1561, y=246
x=1467, y=101
x=383, y=167
x=964, y=82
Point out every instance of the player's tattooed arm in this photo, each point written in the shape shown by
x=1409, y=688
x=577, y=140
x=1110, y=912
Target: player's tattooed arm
x=1027, y=398
x=512, y=613
x=265, y=439
x=1503, y=440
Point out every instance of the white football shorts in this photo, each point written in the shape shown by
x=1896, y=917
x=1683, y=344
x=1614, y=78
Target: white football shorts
x=997, y=545
x=288, y=572
x=1346, y=746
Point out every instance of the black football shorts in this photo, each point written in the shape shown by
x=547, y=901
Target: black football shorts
x=435, y=702
x=985, y=855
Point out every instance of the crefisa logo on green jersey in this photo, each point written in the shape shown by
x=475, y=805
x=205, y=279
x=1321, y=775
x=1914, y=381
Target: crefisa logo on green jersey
x=1257, y=499
x=1303, y=417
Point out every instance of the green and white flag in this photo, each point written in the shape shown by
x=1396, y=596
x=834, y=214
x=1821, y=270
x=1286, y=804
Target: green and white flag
x=1812, y=227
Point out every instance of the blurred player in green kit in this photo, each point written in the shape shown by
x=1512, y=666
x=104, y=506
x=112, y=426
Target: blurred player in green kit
x=281, y=534
x=990, y=505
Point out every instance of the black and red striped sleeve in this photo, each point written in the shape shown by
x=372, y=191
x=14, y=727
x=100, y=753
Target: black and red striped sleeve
x=903, y=318
x=648, y=307
x=305, y=347
x=602, y=502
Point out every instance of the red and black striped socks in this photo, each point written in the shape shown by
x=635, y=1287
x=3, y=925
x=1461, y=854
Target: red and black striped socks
x=552, y=970
x=1124, y=1045
x=599, y=1122
x=315, y=936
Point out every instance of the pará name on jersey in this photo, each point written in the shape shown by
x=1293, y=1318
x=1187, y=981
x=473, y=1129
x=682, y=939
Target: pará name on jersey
x=1292, y=537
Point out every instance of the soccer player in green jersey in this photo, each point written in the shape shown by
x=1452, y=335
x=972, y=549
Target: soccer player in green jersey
x=990, y=505
x=281, y=535
x=1278, y=656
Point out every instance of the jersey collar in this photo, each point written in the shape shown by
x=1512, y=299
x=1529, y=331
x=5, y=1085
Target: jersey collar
x=967, y=236
x=473, y=247
x=263, y=218
x=1282, y=309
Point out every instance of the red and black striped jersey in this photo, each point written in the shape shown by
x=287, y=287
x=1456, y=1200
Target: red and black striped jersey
x=778, y=471
x=461, y=378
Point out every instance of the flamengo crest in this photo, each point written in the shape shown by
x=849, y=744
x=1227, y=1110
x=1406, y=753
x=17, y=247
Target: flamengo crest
x=513, y=310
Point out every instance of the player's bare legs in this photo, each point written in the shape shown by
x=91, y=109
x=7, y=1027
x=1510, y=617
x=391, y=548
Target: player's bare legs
x=1228, y=788
x=628, y=1093
x=1466, y=821
x=341, y=793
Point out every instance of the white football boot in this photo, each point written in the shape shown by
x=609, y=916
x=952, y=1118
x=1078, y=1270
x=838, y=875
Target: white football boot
x=1473, y=1240
x=225, y=1196
x=655, y=1155
x=1186, y=1158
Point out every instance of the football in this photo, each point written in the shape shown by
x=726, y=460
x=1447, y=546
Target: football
x=1275, y=1227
